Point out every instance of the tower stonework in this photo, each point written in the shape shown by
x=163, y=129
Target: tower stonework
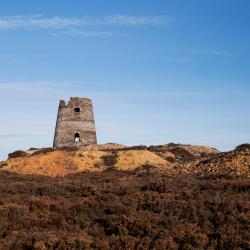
x=75, y=124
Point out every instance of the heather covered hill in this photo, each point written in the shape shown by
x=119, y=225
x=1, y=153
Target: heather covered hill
x=111, y=196
x=138, y=209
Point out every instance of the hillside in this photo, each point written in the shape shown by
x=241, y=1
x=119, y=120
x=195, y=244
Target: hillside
x=123, y=210
x=171, y=158
x=116, y=197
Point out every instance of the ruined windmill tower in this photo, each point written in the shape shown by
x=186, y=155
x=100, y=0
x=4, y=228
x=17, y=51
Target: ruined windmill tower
x=75, y=124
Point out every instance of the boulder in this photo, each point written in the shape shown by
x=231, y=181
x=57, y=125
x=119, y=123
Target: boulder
x=18, y=153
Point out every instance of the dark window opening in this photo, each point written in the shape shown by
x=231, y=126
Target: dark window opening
x=77, y=137
x=77, y=110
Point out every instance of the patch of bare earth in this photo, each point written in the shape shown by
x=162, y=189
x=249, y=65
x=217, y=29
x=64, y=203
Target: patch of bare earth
x=174, y=159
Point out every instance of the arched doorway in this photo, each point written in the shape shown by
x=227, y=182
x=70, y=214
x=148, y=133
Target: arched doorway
x=77, y=137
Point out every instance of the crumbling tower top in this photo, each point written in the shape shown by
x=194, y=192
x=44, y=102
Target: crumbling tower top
x=75, y=124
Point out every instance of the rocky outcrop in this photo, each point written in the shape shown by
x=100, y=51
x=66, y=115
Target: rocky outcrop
x=233, y=163
x=18, y=153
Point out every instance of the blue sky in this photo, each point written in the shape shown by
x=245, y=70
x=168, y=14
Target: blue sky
x=157, y=71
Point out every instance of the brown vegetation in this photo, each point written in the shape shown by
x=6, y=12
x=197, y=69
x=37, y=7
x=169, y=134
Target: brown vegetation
x=124, y=210
x=115, y=197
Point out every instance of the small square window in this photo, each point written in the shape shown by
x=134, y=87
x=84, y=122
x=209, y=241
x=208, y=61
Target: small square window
x=77, y=110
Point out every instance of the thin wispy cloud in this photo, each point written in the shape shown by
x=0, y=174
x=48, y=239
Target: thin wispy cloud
x=80, y=25
x=11, y=59
x=37, y=85
x=7, y=136
x=178, y=60
x=77, y=32
x=188, y=56
x=50, y=87
x=212, y=52
x=195, y=52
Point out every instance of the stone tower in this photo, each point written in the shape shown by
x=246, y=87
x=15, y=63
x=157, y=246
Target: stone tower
x=75, y=124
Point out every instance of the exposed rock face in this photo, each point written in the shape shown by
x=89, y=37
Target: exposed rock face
x=236, y=162
x=18, y=153
x=75, y=124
